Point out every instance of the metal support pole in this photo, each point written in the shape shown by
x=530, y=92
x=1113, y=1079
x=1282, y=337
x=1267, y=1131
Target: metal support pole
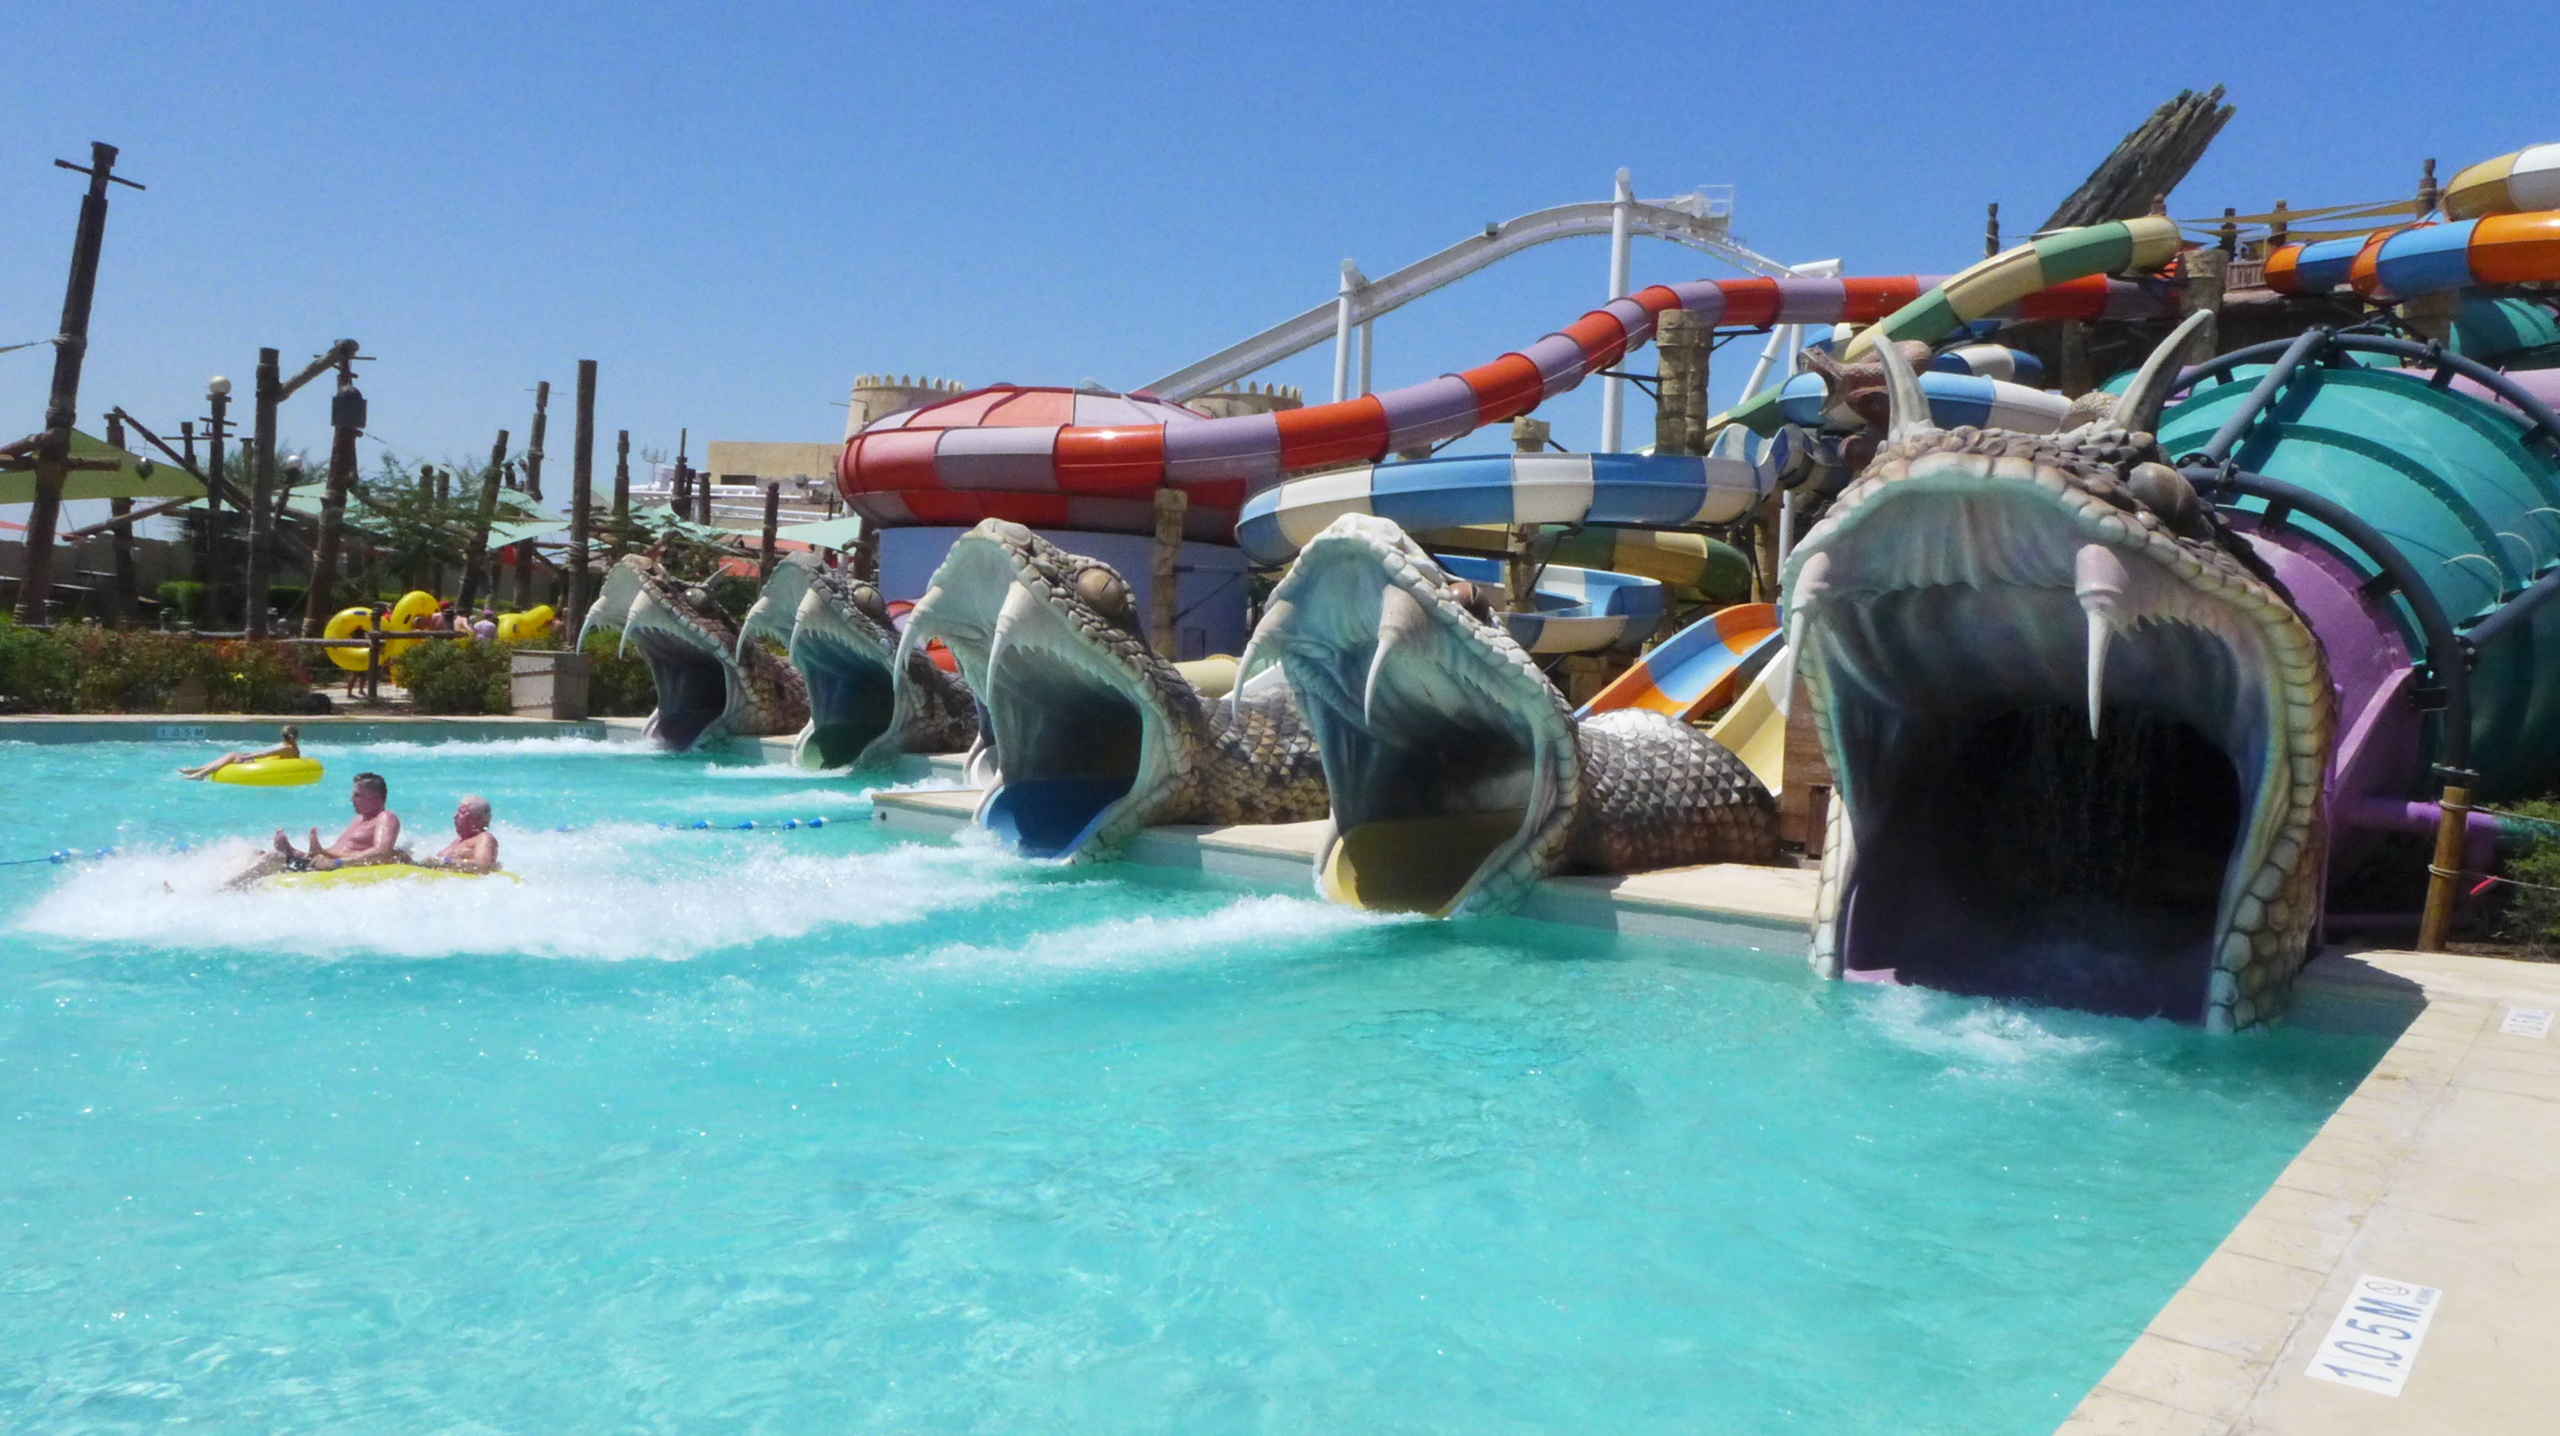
x=1613, y=390
x=1164, y=577
x=1368, y=351
x=1342, y=303
x=62, y=405
x=582, y=492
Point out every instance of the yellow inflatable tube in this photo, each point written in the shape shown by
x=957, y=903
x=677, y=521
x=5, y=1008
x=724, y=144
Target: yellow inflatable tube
x=526, y=627
x=373, y=873
x=407, y=616
x=348, y=623
x=271, y=772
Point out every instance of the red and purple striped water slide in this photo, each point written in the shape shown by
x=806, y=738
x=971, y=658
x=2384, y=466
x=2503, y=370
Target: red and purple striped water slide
x=955, y=464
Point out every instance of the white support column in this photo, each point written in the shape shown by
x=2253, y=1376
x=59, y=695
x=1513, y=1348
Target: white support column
x=1613, y=392
x=1368, y=350
x=1342, y=332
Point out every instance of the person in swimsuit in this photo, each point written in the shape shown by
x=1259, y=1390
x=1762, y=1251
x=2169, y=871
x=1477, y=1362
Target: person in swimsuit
x=290, y=747
x=474, y=848
x=374, y=837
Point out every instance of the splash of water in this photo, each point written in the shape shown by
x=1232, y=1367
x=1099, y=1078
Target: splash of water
x=609, y=893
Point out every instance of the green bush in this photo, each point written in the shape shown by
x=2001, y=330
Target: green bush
x=455, y=676
x=618, y=686
x=35, y=672
x=85, y=668
x=183, y=598
x=2533, y=913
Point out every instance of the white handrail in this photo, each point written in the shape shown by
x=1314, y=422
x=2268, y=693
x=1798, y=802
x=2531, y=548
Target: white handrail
x=1689, y=220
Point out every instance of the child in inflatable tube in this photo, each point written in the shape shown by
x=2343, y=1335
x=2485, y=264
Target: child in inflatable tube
x=290, y=746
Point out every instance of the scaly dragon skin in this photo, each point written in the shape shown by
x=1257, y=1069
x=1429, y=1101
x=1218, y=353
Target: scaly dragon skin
x=1078, y=705
x=1975, y=577
x=710, y=686
x=1436, y=729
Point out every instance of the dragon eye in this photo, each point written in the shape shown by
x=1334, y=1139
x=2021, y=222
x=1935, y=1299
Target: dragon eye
x=1104, y=592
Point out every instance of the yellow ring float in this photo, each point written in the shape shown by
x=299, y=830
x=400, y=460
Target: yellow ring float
x=348, y=623
x=409, y=615
x=272, y=772
x=373, y=873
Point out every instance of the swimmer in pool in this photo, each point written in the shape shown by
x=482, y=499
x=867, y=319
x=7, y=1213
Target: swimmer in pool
x=474, y=848
x=374, y=837
x=289, y=747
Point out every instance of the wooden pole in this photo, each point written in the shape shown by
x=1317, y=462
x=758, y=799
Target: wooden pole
x=533, y=446
x=1680, y=409
x=2444, y=875
x=1164, y=576
x=62, y=405
x=217, y=427
x=475, y=564
x=582, y=492
x=346, y=421
x=772, y=523
x=1991, y=232
x=262, y=481
x=266, y=497
x=621, y=492
x=128, y=592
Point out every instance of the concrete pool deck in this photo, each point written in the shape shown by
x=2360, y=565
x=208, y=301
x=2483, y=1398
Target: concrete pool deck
x=2442, y=1169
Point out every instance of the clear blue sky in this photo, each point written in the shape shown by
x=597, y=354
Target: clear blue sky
x=736, y=209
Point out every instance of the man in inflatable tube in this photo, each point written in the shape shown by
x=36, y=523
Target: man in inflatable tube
x=290, y=746
x=374, y=837
x=474, y=848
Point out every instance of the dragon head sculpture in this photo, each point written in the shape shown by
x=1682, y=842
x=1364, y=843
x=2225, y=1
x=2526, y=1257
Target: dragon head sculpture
x=1094, y=735
x=863, y=709
x=710, y=685
x=1459, y=777
x=2078, y=734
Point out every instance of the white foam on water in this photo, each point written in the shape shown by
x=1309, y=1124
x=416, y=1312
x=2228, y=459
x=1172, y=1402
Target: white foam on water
x=390, y=748
x=1977, y=1034
x=1249, y=926
x=609, y=893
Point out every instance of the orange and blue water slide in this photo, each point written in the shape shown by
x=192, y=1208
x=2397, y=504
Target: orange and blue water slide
x=2504, y=229
x=1699, y=669
x=1104, y=476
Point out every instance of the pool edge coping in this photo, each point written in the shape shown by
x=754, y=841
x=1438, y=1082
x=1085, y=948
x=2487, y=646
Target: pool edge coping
x=2440, y=1168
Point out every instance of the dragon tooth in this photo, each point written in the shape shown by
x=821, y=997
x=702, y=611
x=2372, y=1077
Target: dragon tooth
x=1401, y=619
x=2098, y=580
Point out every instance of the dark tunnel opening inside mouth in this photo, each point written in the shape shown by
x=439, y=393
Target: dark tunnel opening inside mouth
x=2019, y=857
x=851, y=703
x=1069, y=746
x=693, y=688
x=1436, y=795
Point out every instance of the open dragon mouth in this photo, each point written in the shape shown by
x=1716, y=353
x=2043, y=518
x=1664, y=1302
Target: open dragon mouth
x=1079, y=710
x=2078, y=743
x=1449, y=758
x=691, y=669
x=852, y=693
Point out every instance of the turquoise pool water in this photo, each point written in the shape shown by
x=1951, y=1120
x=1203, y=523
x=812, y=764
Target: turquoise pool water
x=824, y=1131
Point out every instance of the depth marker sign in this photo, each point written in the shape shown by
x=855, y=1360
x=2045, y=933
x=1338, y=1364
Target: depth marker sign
x=2375, y=1339
x=2526, y=1022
